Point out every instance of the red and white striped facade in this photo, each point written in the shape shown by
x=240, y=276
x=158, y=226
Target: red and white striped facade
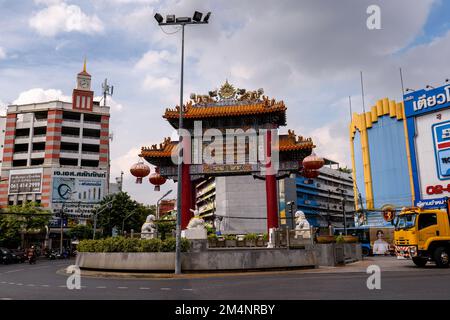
x=49, y=136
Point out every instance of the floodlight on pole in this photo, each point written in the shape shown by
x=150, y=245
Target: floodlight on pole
x=206, y=18
x=170, y=18
x=197, y=16
x=159, y=18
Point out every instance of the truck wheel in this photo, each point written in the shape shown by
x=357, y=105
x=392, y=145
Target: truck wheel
x=441, y=257
x=420, y=262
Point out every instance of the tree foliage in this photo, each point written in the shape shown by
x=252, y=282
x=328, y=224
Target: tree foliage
x=81, y=232
x=27, y=218
x=122, y=208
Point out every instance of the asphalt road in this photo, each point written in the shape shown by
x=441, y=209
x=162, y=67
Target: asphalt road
x=399, y=280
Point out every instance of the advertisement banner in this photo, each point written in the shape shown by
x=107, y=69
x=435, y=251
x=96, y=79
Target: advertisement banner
x=25, y=181
x=78, y=190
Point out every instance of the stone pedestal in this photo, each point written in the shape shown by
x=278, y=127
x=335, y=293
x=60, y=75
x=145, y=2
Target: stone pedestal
x=194, y=234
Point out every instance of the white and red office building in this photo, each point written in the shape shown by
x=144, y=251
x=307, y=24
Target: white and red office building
x=57, y=153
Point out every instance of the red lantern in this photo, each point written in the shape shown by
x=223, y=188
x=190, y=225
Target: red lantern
x=313, y=162
x=139, y=170
x=157, y=179
x=309, y=173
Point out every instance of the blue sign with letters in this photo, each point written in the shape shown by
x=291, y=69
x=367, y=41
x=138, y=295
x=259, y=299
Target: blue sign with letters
x=431, y=203
x=423, y=101
x=441, y=141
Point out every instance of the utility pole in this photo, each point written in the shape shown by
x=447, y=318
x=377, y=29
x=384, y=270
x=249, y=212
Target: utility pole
x=181, y=21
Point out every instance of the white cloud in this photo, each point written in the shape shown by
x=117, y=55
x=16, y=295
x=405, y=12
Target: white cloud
x=113, y=104
x=64, y=18
x=2, y=53
x=157, y=83
x=36, y=95
x=48, y=2
x=153, y=59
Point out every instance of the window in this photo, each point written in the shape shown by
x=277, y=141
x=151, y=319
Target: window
x=71, y=116
x=427, y=220
x=68, y=162
x=70, y=131
x=37, y=162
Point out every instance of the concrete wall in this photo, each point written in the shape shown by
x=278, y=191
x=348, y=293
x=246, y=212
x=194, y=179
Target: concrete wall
x=218, y=259
x=332, y=254
x=241, y=196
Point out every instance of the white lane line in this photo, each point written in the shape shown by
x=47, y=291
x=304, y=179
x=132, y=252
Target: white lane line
x=166, y=289
x=45, y=285
x=144, y=288
x=31, y=285
x=61, y=286
x=122, y=287
x=11, y=271
x=11, y=283
x=19, y=284
x=3, y=282
x=101, y=287
x=5, y=299
x=187, y=289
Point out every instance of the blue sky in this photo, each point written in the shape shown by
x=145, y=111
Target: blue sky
x=307, y=53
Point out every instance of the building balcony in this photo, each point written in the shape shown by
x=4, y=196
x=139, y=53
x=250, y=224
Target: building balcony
x=91, y=140
x=38, y=154
x=71, y=123
x=21, y=155
x=86, y=155
x=69, y=154
x=91, y=125
x=22, y=139
x=23, y=124
x=70, y=138
x=39, y=138
x=40, y=123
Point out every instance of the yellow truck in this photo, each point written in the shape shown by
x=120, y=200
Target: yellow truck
x=423, y=235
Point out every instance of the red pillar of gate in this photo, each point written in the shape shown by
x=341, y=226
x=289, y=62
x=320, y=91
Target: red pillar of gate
x=186, y=195
x=271, y=187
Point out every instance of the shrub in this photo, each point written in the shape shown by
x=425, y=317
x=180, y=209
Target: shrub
x=150, y=245
x=212, y=236
x=340, y=239
x=265, y=237
x=251, y=236
x=230, y=237
x=121, y=244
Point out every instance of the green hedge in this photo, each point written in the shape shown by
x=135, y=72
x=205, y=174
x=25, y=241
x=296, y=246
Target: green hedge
x=121, y=244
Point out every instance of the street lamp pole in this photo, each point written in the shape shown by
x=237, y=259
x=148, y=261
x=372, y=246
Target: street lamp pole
x=181, y=21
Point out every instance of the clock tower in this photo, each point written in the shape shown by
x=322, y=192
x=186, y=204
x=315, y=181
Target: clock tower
x=83, y=97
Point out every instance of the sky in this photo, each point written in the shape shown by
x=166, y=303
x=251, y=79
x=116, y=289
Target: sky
x=307, y=53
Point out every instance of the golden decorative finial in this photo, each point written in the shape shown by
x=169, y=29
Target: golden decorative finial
x=84, y=65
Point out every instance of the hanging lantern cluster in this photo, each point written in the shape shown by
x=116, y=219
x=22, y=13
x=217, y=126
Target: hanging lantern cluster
x=157, y=179
x=140, y=170
x=311, y=165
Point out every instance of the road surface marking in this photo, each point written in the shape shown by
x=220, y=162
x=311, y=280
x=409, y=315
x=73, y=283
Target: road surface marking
x=122, y=287
x=5, y=299
x=188, y=289
x=101, y=287
x=11, y=283
x=144, y=288
x=166, y=289
x=45, y=285
x=11, y=271
x=3, y=282
x=62, y=286
x=30, y=285
x=19, y=284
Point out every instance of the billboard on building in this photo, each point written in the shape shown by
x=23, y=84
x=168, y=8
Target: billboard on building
x=25, y=181
x=428, y=126
x=78, y=190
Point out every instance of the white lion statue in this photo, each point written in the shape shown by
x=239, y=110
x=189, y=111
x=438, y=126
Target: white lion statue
x=148, y=230
x=302, y=226
x=196, y=222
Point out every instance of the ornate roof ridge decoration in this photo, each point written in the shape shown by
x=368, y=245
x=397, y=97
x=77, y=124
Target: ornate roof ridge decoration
x=164, y=149
x=227, y=101
x=291, y=142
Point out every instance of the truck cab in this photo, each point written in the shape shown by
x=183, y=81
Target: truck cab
x=423, y=235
